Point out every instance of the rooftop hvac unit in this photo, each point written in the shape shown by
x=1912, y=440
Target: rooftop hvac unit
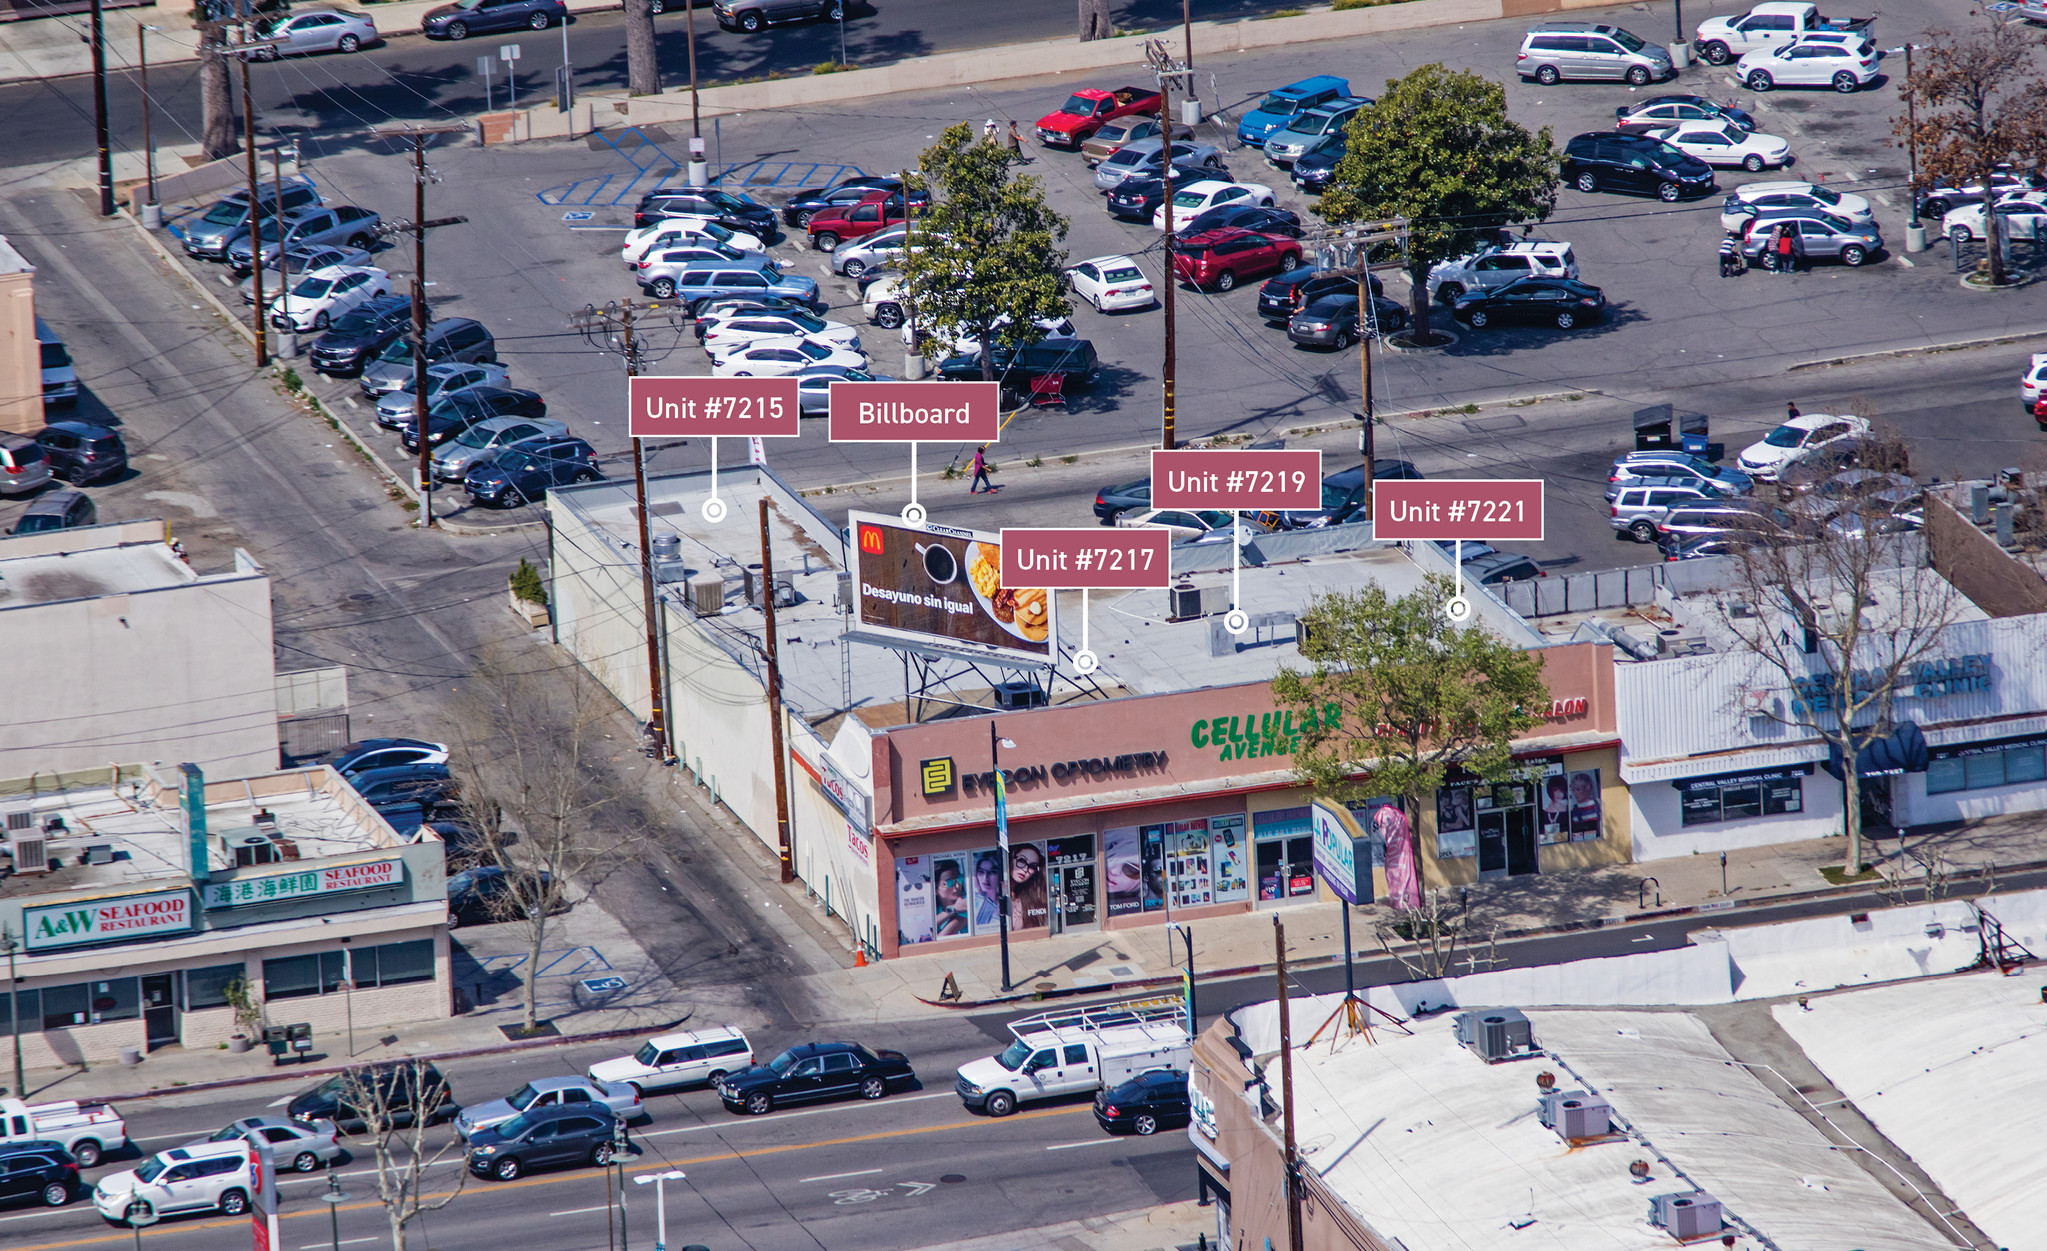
x=707, y=595
x=1576, y=1115
x=1496, y=1034
x=665, y=546
x=1686, y=1216
x=1014, y=695
x=669, y=569
x=19, y=819
x=250, y=847
x=31, y=851
x=1183, y=603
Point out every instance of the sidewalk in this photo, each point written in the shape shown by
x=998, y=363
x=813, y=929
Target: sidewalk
x=1174, y=1226
x=1134, y=960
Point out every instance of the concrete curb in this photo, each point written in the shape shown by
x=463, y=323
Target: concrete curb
x=227, y=1083
x=1537, y=931
x=1956, y=345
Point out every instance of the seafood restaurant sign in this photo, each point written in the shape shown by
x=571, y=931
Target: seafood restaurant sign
x=107, y=920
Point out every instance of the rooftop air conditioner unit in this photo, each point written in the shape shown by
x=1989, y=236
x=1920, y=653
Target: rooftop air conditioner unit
x=1183, y=603
x=1014, y=695
x=1496, y=1034
x=707, y=595
x=31, y=852
x=1686, y=1216
x=1576, y=1115
x=251, y=847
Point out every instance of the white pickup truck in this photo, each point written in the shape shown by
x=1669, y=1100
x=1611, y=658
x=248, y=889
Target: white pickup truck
x=87, y=1130
x=1078, y=1050
x=1721, y=40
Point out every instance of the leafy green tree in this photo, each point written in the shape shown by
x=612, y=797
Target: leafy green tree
x=1439, y=150
x=1412, y=695
x=988, y=248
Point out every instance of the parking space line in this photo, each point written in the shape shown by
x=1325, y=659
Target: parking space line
x=1092, y=1142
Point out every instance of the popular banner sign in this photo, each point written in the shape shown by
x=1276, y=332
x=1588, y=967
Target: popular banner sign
x=277, y=887
x=107, y=920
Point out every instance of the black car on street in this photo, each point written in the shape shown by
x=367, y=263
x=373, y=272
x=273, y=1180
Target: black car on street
x=477, y=17
x=400, y=1091
x=1073, y=361
x=425, y=784
x=811, y=1071
x=1561, y=302
x=1145, y=1104
x=355, y=338
x=527, y=470
x=1343, y=494
x=38, y=1169
x=568, y=1133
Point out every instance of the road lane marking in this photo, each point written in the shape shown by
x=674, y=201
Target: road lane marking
x=865, y=1172
x=579, y=1175
x=788, y=1116
x=1092, y=1142
x=315, y=1246
x=602, y=1207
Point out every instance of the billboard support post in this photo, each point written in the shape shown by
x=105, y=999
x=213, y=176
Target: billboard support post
x=775, y=700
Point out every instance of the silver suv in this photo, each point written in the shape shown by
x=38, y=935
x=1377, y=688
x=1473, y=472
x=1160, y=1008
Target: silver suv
x=1557, y=50
x=1818, y=235
x=24, y=465
x=1637, y=509
x=450, y=339
x=1285, y=145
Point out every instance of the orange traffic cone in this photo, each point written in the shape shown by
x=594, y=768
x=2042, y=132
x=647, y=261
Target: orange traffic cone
x=860, y=958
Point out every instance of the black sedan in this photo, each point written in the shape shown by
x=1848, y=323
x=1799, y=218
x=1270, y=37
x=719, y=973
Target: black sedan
x=800, y=206
x=1136, y=199
x=423, y=784
x=486, y=893
x=1283, y=295
x=1343, y=495
x=360, y=334
x=812, y=1071
x=1314, y=168
x=1145, y=1104
x=1253, y=217
x=478, y=17
x=1560, y=302
x=456, y=413
x=569, y=1133
x=383, y=753
x=1332, y=321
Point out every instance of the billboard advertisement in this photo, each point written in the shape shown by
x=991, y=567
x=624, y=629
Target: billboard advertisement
x=1342, y=853
x=940, y=587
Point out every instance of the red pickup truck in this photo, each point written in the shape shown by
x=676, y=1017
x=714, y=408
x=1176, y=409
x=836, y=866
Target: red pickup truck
x=1089, y=109
x=872, y=213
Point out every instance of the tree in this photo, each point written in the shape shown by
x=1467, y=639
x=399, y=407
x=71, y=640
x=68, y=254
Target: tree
x=216, y=94
x=642, y=60
x=988, y=249
x=1398, y=695
x=1094, y=20
x=414, y=1093
x=1976, y=102
x=1834, y=623
x=530, y=751
x=1439, y=150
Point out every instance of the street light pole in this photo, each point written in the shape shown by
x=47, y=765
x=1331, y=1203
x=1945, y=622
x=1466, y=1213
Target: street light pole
x=99, y=110
x=995, y=746
x=148, y=144
x=660, y=1202
x=256, y=209
x=334, y=1198
x=699, y=173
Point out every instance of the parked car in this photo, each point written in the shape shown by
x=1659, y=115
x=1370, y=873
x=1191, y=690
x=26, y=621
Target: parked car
x=382, y=753
x=1283, y=295
x=699, y=286
x=478, y=895
x=883, y=247
x=1145, y=1104
x=67, y=509
x=1553, y=51
x=1343, y=494
x=1730, y=519
x=453, y=340
x=1188, y=525
x=1111, y=138
x=1756, y=198
x=1113, y=500
x=724, y=333
x=1664, y=110
x=325, y=294
x=1821, y=236
x=1193, y=200
x=1111, y=283
x=1674, y=465
x=1136, y=199
x=1560, y=302
x=1072, y=361
x=751, y=15
x=480, y=17
x=1281, y=104
x=1772, y=24
x=395, y=407
x=539, y=1093
x=735, y=305
x=1143, y=158
x=873, y=213
x=82, y=452
x=307, y=227
x=814, y=386
x=1821, y=464
x=1498, y=266
x=1635, y=509
x=1845, y=66
x=456, y=411
x=1332, y=321
x=526, y=471
x=356, y=337
x=576, y=1134
x=1315, y=166
x=209, y=1178
x=784, y=357
x=1307, y=129
x=428, y=785
x=40, y=1169
x=1264, y=221
x=1497, y=567
x=2019, y=217
x=1701, y=546
x=1050, y=329
x=318, y=30
x=1611, y=161
x=659, y=272
x=451, y=460
x=811, y=1071
x=300, y=1148
x=1858, y=492
x=1796, y=439
x=733, y=212
x=401, y=1088
x=227, y=219
x=1089, y=109
x=1939, y=199
x=676, y=231
x=683, y=1058
x=1724, y=145
x=1223, y=258
x=297, y=261
x=797, y=209
x=24, y=465
x=60, y=376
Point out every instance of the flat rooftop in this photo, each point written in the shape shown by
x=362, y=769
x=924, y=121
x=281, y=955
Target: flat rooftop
x=1444, y=1152
x=133, y=834
x=89, y=574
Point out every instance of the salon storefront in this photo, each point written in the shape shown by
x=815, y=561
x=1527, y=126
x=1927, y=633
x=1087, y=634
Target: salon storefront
x=1175, y=807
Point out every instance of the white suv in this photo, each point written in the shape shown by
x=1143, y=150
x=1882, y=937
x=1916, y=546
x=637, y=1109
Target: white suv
x=1845, y=63
x=685, y=1058
x=1496, y=267
x=1794, y=441
x=202, y=1177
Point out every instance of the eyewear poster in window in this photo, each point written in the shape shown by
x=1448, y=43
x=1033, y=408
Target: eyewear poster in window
x=1122, y=871
x=1229, y=859
x=985, y=901
x=1456, y=825
x=949, y=896
x=1153, y=839
x=1027, y=892
x=913, y=900
x=1188, y=882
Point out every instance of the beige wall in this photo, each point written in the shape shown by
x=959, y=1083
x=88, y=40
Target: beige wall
x=21, y=361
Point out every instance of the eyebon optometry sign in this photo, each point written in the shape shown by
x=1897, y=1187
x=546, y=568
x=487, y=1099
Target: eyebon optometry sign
x=278, y=887
x=106, y=920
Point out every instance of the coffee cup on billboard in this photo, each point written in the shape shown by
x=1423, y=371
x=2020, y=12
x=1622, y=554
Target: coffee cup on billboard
x=940, y=565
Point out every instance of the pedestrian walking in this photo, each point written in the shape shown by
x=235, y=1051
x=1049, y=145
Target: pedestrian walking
x=1791, y=412
x=988, y=130
x=980, y=472
x=1016, y=141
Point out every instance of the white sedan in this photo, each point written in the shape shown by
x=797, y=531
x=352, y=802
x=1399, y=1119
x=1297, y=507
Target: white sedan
x=2034, y=384
x=781, y=358
x=679, y=232
x=729, y=334
x=1814, y=62
x=1188, y=525
x=1757, y=197
x=1794, y=441
x=1196, y=198
x=1724, y=145
x=2024, y=217
x=1111, y=284
x=325, y=294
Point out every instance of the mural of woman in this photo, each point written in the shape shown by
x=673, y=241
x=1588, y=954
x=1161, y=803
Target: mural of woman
x=1027, y=893
x=987, y=890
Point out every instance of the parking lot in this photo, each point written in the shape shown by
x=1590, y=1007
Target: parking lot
x=1677, y=331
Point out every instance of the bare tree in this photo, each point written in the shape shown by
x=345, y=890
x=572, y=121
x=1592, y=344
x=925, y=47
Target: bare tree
x=1835, y=617
x=1424, y=940
x=642, y=59
x=1094, y=20
x=1977, y=102
x=396, y=1103
x=530, y=752
x=216, y=94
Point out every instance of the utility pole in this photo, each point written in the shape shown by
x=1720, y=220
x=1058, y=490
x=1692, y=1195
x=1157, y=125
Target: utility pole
x=1345, y=252
x=775, y=699
x=262, y=314
x=1165, y=71
x=418, y=227
x=699, y=172
x=99, y=111
x=615, y=322
x=1286, y=1081
x=148, y=145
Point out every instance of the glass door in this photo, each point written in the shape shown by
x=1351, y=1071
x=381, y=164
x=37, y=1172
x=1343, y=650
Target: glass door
x=1072, y=863
x=159, y=1011
x=1492, y=844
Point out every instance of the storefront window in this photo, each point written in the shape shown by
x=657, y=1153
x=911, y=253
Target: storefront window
x=949, y=896
x=1984, y=765
x=117, y=1000
x=1740, y=796
x=66, y=1005
x=31, y=1002
x=207, y=987
x=1133, y=870
x=1283, y=844
x=290, y=977
x=394, y=964
x=1456, y=825
x=1229, y=858
x=1189, y=883
x=913, y=900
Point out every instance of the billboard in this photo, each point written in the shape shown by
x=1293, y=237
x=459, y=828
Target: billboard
x=1343, y=855
x=941, y=588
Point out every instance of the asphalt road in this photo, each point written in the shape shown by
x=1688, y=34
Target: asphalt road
x=411, y=77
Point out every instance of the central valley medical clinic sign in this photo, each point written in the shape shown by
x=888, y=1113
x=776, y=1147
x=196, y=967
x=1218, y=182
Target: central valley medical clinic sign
x=107, y=920
x=278, y=887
